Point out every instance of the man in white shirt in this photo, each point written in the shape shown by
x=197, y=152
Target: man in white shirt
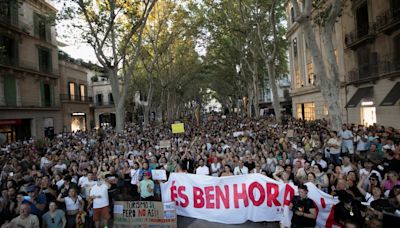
x=202, y=169
x=86, y=184
x=347, y=139
x=334, y=148
x=101, y=210
x=319, y=160
x=135, y=170
x=241, y=169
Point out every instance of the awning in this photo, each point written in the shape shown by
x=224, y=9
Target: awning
x=361, y=93
x=393, y=96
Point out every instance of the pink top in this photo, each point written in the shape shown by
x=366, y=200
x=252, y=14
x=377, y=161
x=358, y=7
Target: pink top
x=388, y=185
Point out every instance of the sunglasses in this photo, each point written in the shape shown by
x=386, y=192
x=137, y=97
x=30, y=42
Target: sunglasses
x=52, y=220
x=372, y=179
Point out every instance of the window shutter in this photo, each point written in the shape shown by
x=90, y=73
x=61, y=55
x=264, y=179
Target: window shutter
x=15, y=53
x=10, y=90
x=52, y=100
x=42, y=94
x=14, y=12
x=48, y=31
x=36, y=24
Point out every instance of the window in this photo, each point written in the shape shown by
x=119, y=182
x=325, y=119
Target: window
x=8, y=51
x=110, y=99
x=362, y=20
x=299, y=111
x=9, y=11
x=47, y=94
x=10, y=90
x=71, y=90
x=99, y=99
x=45, y=64
x=42, y=27
x=297, y=79
x=310, y=74
x=295, y=47
x=292, y=14
x=82, y=92
x=309, y=111
x=325, y=110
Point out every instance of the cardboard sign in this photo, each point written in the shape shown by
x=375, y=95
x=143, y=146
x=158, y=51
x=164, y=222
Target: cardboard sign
x=144, y=214
x=158, y=174
x=178, y=128
x=290, y=133
x=165, y=144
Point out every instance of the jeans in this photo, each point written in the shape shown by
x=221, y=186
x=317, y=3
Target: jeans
x=335, y=158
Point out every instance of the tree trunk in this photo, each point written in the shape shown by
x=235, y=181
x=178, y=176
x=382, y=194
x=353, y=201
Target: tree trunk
x=256, y=91
x=327, y=72
x=147, y=107
x=250, y=102
x=119, y=100
x=275, y=97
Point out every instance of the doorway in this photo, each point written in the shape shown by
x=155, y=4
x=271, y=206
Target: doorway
x=368, y=116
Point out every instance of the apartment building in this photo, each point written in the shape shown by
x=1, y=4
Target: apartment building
x=29, y=73
x=75, y=102
x=372, y=62
x=104, y=108
x=367, y=48
x=265, y=101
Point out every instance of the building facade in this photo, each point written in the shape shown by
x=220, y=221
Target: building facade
x=367, y=50
x=29, y=74
x=103, y=102
x=74, y=98
x=265, y=101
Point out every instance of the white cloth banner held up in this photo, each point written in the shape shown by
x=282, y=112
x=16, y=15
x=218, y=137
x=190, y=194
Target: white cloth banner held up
x=236, y=199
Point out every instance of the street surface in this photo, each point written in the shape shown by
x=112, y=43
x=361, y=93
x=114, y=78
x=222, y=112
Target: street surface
x=198, y=223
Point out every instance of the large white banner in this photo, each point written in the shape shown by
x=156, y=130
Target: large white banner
x=236, y=199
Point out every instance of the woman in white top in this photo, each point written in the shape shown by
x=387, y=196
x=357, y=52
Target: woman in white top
x=73, y=204
x=376, y=191
x=135, y=171
x=216, y=167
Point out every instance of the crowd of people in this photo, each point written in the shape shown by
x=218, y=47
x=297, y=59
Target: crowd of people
x=74, y=178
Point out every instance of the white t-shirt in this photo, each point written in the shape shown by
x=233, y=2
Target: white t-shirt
x=72, y=205
x=44, y=162
x=135, y=176
x=101, y=191
x=82, y=181
x=346, y=169
x=240, y=171
x=333, y=150
x=202, y=170
x=369, y=198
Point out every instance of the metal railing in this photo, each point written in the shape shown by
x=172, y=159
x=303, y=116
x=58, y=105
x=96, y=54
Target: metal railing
x=388, y=17
x=68, y=97
x=368, y=71
x=359, y=33
x=103, y=103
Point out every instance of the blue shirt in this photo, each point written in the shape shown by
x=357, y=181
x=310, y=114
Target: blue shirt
x=40, y=199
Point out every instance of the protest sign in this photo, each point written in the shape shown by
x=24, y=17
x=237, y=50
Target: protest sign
x=236, y=199
x=178, y=128
x=158, y=174
x=144, y=214
x=165, y=144
x=290, y=133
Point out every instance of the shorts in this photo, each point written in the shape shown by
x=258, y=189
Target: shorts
x=347, y=149
x=101, y=213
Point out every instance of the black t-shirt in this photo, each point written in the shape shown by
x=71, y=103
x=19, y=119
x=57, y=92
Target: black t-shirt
x=303, y=205
x=344, y=214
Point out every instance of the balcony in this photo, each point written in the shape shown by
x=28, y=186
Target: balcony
x=74, y=98
x=388, y=21
x=388, y=68
x=364, y=34
x=103, y=103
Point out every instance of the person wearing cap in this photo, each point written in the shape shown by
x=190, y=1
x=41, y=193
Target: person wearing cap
x=304, y=212
x=146, y=187
x=37, y=201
